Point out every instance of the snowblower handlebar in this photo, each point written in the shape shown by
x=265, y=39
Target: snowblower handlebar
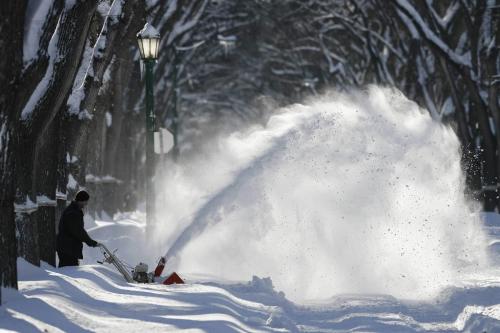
x=109, y=257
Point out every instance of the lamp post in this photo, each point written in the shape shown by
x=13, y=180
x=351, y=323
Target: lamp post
x=175, y=114
x=148, y=39
x=174, y=127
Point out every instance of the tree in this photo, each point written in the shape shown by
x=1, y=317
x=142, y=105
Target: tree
x=12, y=26
x=74, y=72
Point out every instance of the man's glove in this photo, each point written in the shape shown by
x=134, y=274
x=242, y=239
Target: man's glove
x=94, y=243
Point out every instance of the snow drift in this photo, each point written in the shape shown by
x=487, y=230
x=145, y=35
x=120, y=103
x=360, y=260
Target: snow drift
x=349, y=193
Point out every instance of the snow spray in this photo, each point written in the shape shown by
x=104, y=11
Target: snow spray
x=358, y=192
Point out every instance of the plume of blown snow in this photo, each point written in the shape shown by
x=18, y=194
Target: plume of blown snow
x=358, y=192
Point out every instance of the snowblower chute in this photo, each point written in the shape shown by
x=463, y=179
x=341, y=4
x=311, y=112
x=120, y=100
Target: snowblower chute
x=160, y=267
x=140, y=272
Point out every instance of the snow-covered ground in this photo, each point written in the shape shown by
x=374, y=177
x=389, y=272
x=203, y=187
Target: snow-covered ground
x=95, y=297
x=349, y=211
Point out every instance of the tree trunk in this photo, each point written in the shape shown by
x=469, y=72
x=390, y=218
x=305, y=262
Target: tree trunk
x=11, y=43
x=40, y=115
x=62, y=169
x=46, y=196
x=494, y=109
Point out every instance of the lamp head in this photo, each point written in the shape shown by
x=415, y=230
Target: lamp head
x=149, y=40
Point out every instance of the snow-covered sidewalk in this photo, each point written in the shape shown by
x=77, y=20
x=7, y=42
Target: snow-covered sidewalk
x=97, y=299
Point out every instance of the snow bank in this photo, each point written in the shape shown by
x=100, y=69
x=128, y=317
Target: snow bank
x=349, y=193
x=94, y=298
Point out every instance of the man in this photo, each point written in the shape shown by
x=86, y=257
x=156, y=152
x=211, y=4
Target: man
x=71, y=232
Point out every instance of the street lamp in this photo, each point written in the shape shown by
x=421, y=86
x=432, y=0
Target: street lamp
x=228, y=42
x=149, y=39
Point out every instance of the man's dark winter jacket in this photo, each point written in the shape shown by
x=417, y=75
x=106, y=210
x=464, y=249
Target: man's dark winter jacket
x=71, y=233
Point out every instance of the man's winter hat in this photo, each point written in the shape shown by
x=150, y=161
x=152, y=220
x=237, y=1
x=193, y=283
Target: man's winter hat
x=82, y=196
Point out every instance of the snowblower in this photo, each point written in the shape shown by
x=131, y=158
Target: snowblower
x=140, y=272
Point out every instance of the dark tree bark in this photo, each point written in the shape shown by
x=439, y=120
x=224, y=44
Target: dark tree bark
x=38, y=115
x=46, y=193
x=11, y=44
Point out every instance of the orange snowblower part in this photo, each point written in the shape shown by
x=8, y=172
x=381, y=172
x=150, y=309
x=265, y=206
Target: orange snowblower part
x=173, y=279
